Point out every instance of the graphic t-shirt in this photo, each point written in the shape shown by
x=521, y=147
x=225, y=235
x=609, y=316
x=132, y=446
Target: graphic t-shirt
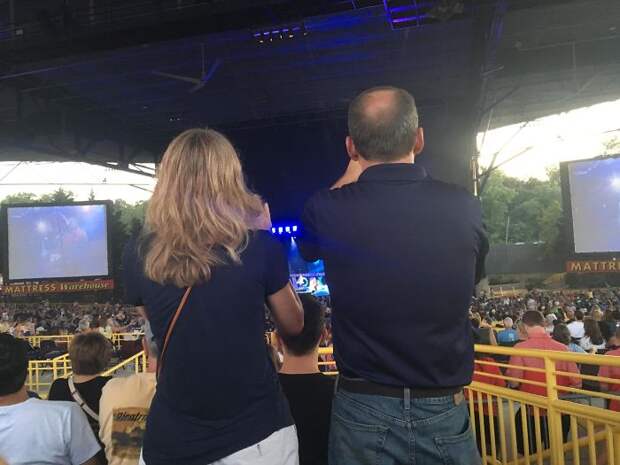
x=124, y=407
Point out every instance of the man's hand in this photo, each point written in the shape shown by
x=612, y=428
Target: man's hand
x=351, y=175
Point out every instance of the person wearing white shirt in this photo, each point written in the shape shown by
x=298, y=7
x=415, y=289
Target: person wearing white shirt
x=33, y=431
x=576, y=327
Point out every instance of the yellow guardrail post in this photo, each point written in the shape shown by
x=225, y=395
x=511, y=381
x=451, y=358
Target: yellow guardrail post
x=554, y=419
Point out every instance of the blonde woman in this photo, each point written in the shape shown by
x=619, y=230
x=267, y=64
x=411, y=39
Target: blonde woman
x=204, y=270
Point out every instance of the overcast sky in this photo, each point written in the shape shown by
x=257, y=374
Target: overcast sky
x=577, y=134
x=573, y=135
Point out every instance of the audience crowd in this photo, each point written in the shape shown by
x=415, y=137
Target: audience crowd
x=591, y=318
x=45, y=318
x=98, y=420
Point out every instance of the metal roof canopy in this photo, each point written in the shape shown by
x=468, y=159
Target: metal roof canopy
x=86, y=89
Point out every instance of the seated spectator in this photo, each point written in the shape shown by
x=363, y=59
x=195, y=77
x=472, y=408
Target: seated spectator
x=124, y=406
x=485, y=333
x=608, y=325
x=607, y=371
x=562, y=335
x=481, y=370
x=592, y=340
x=550, y=322
x=508, y=335
x=34, y=431
x=537, y=338
x=309, y=392
x=576, y=327
x=89, y=353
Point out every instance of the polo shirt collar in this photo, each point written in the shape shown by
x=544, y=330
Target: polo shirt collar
x=394, y=172
x=538, y=333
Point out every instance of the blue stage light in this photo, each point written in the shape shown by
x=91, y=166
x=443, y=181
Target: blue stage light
x=294, y=228
x=273, y=230
x=280, y=230
x=288, y=229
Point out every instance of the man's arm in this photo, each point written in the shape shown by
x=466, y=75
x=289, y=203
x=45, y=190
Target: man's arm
x=513, y=371
x=604, y=372
x=571, y=367
x=308, y=239
x=287, y=310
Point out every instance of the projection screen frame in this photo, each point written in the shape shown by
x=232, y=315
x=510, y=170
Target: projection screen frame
x=5, y=240
x=567, y=207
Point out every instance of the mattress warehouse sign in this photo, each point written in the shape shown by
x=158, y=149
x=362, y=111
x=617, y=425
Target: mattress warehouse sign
x=593, y=266
x=57, y=287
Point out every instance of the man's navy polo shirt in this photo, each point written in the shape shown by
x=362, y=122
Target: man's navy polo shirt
x=402, y=254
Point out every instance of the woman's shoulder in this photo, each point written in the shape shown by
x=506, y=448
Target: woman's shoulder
x=260, y=239
x=59, y=390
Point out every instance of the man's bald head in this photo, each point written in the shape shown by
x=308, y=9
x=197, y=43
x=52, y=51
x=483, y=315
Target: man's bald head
x=383, y=123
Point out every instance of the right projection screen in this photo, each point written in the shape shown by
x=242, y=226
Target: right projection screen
x=594, y=187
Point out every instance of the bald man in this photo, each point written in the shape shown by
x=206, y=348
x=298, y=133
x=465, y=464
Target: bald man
x=402, y=254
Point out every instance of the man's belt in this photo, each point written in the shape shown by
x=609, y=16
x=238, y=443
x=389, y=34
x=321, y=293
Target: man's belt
x=361, y=386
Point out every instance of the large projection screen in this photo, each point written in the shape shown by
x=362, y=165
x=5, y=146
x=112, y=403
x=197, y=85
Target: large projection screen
x=57, y=241
x=594, y=188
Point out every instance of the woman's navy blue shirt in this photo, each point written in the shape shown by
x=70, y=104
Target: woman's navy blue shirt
x=218, y=392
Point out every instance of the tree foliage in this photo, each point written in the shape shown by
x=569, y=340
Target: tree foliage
x=518, y=210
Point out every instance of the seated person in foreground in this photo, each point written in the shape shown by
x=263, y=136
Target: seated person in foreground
x=34, y=431
x=124, y=406
x=90, y=354
x=309, y=392
x=607, y=371
x=538, y=338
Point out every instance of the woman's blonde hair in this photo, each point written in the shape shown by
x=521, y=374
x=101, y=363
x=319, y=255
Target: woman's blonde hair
x=201, y=210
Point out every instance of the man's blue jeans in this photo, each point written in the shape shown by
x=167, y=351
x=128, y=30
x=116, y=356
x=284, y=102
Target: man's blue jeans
x=378, y=430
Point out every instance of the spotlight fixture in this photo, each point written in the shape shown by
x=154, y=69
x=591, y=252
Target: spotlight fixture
x=278, y=34
x=285, y=230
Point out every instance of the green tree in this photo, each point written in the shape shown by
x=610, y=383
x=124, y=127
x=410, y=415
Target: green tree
x=118, y=239
x=20, y=197
x=523, y=211
x=612, y=146
x=496, y=201
x=58, y=196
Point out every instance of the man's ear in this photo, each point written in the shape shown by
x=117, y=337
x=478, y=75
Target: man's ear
x=351, y=150
x=419, y=141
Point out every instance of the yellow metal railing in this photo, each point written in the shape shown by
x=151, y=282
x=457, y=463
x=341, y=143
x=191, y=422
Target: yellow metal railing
x=136, y=362
x=62, y=339
x=505, y=420
x=42, y=373
x=65, y=339
x=515, y=427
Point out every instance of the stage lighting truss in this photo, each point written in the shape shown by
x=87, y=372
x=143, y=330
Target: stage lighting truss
x=414, y=13
x=285, y=230
x=278, y=34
